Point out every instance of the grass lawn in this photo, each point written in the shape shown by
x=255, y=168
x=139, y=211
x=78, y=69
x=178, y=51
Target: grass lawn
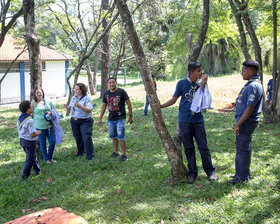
x=139, y=191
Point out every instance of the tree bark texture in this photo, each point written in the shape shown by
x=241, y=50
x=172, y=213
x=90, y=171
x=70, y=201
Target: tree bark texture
x=178, y=169
x=33, y=44
x=211, y=58
x=105, y=55
x=248, y=24
x=202, y=34
x=90, y=79
x=271, y=111
x=240, y=26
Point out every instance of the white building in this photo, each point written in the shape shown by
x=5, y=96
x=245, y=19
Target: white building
x=16, y=85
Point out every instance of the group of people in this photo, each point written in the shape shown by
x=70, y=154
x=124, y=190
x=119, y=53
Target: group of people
x=191, y=124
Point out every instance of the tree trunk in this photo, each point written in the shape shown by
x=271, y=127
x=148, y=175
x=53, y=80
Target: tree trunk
x=239, y=23
x=96, y=58
x=205, y=21
x=33, y=46
x=211, y=59
x=178, y=169
x=105, y=55
x=90, y=80
x=247, y=21
x=34, y=52
x=271, y=111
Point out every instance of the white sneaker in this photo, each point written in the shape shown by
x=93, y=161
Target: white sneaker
x=53, y=161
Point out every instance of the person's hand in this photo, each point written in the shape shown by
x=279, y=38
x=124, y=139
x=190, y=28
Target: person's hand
x=100, y=122
x=38, y=132
x=236, y=130
x=78, y=105
x=49, y=113
x=204, y=79
x=130, y=120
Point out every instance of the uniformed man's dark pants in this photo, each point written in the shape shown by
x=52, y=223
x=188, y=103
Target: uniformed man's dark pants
x=189, y=131
x=243, y=150
x=82, y=131
x=31, y=158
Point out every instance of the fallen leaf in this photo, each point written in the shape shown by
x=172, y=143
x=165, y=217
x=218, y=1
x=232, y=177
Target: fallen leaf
x=149, y=185
x=133, y=155
x=187, y=195
x=139, y=199
x=49, y=180
x=44, y=193
x=171, y=182
x=198, y=186
x=95, y=172
x=180, y=205
x=184, y=210
x=39, y=199
x=119, y=191
x=239, y=222
x=174, y=220
x=25, y=210
x=88, y=186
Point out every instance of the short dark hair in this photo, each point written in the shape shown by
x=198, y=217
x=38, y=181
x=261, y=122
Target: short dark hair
x=82, y=87
x=193, y=66
x=251, y=64
x=24, y=106
x=111, y=78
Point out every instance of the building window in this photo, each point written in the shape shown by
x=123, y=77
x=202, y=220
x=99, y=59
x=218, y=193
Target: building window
x=4, y=67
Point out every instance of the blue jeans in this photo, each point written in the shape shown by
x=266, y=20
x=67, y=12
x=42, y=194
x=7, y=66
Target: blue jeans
x=189, y=131
x=82, y=131
x=244, y=150
x=31, y=160
x=50, y=135
x=116, y=129
x=146, y=106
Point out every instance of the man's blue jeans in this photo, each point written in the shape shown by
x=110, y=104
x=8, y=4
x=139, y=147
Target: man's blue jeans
x=244, y=150
x=31, y=158
x=189, y=131
x=82, y=131
x=146, y=106
x=50, y=135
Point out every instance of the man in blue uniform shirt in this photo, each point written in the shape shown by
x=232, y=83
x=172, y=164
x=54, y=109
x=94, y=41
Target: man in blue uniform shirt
x=192, y=124
x=247, y=114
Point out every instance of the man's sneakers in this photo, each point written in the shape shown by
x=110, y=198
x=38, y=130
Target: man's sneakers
x=123, y=158
x=115, y=154
x=212, y=177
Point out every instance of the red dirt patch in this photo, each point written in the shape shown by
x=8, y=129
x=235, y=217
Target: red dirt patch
x=50, y=216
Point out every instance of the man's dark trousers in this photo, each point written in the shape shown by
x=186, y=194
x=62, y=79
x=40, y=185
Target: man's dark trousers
x=244, y=150
x=197, y=130
x=82, y=131
x=31, y=158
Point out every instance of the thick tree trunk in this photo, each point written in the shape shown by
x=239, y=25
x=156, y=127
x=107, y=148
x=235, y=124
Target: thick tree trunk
x=105, y=55
x=247, y=21
x=34, y=52
x=33, y=46
x=178, y=169
x=239, y=23
x=271, y=111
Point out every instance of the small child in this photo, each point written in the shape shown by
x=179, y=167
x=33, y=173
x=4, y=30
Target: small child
x=28, y=136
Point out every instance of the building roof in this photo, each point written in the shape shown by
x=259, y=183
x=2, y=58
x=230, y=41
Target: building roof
x=11, y=47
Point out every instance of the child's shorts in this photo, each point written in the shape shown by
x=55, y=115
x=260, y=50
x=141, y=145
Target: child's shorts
x=116, y=129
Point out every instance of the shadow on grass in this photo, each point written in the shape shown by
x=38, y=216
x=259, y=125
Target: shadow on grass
x=139, y=190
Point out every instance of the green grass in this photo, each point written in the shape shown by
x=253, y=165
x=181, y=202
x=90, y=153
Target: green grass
x=139, y=191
